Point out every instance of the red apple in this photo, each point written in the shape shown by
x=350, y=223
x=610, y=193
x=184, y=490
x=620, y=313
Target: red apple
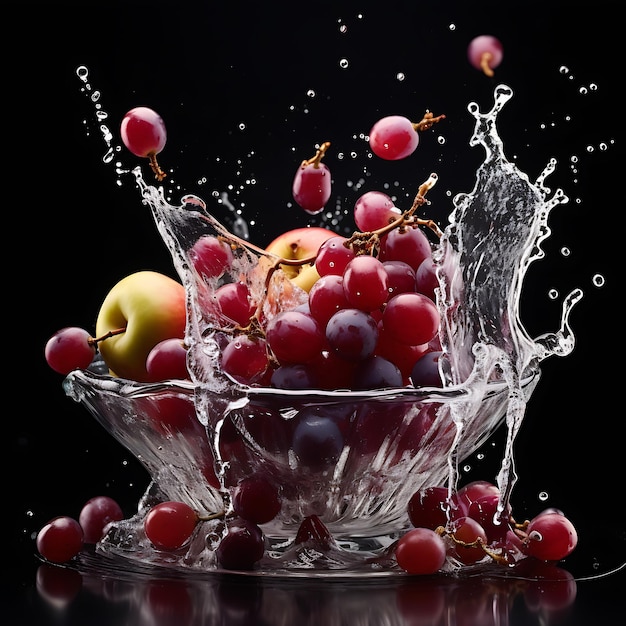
x=299, y=244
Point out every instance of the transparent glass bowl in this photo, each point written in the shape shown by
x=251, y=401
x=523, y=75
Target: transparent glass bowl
x=353, y=459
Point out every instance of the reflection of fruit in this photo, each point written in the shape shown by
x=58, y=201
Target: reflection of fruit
x=150, y=307
x=299, y=244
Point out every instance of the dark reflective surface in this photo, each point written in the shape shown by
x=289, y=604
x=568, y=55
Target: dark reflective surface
x=541, y=594
x=208, y=68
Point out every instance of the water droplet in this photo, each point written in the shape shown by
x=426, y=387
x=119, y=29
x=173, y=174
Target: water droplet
x=593, y=87
x=565, y=251
x=452, y=27
x=582, y=90
x=574, y=158
x=400, y=76
x=590, y=148
x=467, y=467
x=603, y=146
x=310, y=93
x=343, y=64
x=242, y=126
x=441, y=140
x=553, y=294
x=343, y=29
x=598, y=280
x=543, y=496
x=480, y=456
x=564, y=69
x=95, y=96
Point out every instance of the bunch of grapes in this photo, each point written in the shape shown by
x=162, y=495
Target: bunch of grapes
x=468, y=526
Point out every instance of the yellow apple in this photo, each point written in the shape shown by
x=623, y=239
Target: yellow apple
x=150, y=306
x=299, y=244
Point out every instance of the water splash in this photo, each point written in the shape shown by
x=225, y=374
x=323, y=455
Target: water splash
x=490, y=365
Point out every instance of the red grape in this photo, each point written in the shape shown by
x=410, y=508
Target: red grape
x=313, y=531
x=242, y=546
x=374, y=210
x=365, y=283
x=485, y=53
x=169, y=525
x=468, y=531
x=96, y=514
x=211, y=256
x=312, y=183
x=235, y=302
x=69, y=349
x=470, y=492
x=143, y=133
x=60, y=540
x=294, y=337
x=426, y=280
x=167, y=360
x=401, y=277
x=551, y=537
x=428, y=507
x=256, y=499
x=411, y=318
x=326, y=297
x=484, y=510
x=393, y=137
x=245, y=359
x=421, y=551
x=333, y=256
x=410, y=245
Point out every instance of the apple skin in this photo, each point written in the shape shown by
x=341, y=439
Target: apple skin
x=151, y=306
x=297, y=244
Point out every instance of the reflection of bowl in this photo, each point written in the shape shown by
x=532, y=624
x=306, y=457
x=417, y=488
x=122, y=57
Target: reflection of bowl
x=351, y=458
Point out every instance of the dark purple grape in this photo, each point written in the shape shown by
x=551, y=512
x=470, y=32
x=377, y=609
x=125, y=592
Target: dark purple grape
x=293, y=377
x=317, y=440
x=256, y=499
x=425, y=372
x=242, y=546
x=352, y=333
x=377, y=372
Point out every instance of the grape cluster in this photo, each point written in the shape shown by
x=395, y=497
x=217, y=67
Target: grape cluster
x=467, y=527
x=367, y=321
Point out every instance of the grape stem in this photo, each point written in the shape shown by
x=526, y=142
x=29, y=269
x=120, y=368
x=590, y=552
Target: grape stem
x=319, y=155
x=94, y=341
x=361, y=242
x=427, y=121
x=156, y=168
x=477, y=543
x=485, y=60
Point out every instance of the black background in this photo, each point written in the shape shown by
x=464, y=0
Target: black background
x=73, y=226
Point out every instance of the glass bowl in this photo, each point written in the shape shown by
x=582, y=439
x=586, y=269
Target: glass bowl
x=377, y=449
